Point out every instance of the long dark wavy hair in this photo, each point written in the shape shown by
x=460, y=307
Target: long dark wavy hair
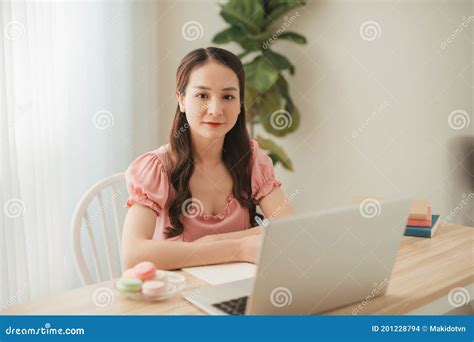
x=236, y=154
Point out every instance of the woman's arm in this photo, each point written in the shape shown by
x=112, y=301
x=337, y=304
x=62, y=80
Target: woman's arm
x=276, y=205
x=137, y=245
x=231, y=236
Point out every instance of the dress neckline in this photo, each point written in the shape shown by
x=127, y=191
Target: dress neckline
x=222, y=214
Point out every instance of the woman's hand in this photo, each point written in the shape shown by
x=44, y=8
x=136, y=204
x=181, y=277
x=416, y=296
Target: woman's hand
x=250, y=248
x=249, y=242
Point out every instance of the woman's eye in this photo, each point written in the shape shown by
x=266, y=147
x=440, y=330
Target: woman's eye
x=229, y=97
x=201, y=96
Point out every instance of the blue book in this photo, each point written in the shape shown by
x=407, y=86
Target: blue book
x=426, y=232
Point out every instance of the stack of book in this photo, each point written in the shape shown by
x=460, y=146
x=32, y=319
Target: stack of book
x=421, y=222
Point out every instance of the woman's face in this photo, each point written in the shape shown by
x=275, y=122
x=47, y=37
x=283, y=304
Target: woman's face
x=211, y=96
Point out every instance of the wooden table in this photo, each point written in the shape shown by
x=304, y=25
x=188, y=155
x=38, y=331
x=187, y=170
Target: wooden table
x=425, y=270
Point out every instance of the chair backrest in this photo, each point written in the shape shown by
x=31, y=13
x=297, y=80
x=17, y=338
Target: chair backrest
x=110, y=235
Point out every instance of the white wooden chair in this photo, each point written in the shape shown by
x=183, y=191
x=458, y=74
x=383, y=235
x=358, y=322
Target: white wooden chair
x=81, y=216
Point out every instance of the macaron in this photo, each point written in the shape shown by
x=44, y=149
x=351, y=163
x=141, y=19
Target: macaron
x=153, y=288
x=145, y=270
x=129, y=274
x=129, y=285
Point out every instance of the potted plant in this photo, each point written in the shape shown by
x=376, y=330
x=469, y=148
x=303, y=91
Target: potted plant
x=253, y=25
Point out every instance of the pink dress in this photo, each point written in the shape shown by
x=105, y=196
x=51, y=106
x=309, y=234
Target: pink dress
x=148, y=184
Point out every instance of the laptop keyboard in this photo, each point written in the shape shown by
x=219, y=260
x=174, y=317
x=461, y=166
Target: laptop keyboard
x=233, y=306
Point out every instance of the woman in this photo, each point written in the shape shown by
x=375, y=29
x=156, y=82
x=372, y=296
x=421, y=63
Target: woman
x=193, y=201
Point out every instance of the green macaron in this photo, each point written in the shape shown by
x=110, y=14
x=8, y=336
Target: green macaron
x=129, y=285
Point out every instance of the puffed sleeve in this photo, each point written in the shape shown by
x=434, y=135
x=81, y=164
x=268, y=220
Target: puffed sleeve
x=147, y=182
x=263, y=174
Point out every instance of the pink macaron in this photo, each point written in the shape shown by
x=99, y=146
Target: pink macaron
x=129, y=274
x=144, y=270
x=153, y=288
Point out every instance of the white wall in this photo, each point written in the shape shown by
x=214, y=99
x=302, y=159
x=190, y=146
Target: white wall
x=398, y=90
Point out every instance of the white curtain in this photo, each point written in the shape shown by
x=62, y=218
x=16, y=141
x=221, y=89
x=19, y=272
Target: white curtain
x=69, y=112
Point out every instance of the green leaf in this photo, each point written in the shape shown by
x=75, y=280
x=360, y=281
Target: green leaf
x=251, y=100
x=266, y=91
x=230, y=34
x=260, y=74
x=293, y=36
x=236, y=34
x=274, y=158
x=247, y=14
x=277, y=113
x=276, y=122
x=276, y=151
x=269, y=102
x=282, y=87
x=248, y=44
x=281, y=121
x=279, y=61
x=277, y=8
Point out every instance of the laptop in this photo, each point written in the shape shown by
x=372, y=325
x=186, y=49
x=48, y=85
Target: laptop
x=315, y=262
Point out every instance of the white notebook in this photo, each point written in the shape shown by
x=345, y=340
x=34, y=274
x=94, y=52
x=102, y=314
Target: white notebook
x=222, y=273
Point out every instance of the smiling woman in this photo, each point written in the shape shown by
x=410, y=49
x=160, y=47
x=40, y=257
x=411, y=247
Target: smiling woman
x=193, y=200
